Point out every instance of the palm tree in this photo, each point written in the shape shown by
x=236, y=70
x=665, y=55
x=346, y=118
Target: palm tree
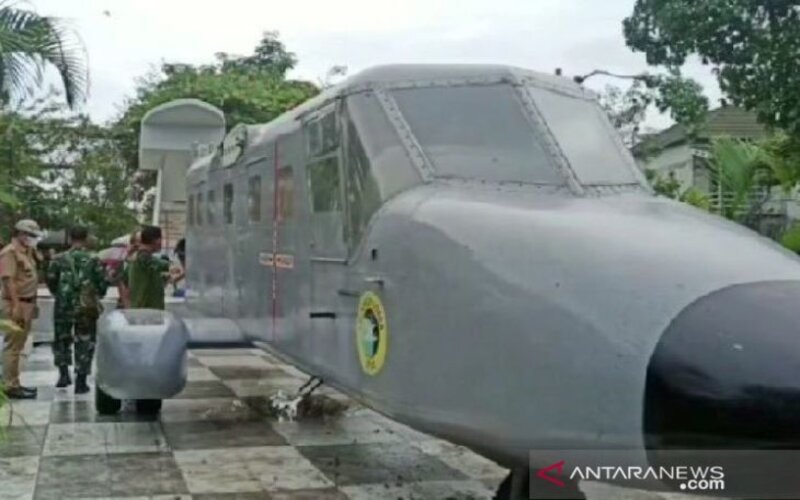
x=735, y=165
x=29, y=43
x=745, y=175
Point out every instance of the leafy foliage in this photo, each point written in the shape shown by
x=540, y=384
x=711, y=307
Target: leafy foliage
x=248, y=89
x=696, y=198
x=752, y=46
x=671, y=93
x=667, y=185
x=28, y=44
x=745, y=174
x=63, y=170
x=626, y=109
x=791, y=238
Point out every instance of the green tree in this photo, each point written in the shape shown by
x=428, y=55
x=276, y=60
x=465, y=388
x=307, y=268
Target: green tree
x=663, y=185
x=29, y=43
x=696, y=198
x=751, y=45
x=669, y=92
x=746, y=174
x=248, y=89
x=64, y=170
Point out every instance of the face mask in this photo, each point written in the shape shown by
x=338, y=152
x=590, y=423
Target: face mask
x=30, y=241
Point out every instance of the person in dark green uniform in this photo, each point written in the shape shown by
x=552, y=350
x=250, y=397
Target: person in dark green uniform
x=122, y=278
x=77, y=281
x=148, y=274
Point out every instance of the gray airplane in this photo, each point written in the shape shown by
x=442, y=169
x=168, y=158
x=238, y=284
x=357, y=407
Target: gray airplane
x=472, y=251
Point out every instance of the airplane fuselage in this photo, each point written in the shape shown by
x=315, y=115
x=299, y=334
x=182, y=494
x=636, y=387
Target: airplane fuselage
x=509, y=283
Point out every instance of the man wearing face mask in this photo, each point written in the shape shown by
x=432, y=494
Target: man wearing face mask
x=20, y=284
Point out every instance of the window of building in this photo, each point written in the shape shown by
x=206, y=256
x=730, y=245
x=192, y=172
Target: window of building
x=199, y=210
x=324, y=182
x=211, y=207
x=254, y=198
x=227, y=201
x=190, y=211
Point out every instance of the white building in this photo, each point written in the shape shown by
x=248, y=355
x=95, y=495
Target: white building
x=673, y=153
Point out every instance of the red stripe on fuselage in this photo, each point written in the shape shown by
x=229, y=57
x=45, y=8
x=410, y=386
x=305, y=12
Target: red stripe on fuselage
x=275, y=222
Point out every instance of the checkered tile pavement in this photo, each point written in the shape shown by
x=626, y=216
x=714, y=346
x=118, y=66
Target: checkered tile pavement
x=218, y=440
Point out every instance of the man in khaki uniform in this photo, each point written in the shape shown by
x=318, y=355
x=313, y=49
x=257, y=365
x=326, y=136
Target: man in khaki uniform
x=20, y=285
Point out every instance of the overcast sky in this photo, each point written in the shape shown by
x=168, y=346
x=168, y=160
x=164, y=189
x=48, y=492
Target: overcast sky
x=127, y=38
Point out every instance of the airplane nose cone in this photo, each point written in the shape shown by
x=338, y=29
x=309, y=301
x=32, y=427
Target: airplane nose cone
x=726, y=372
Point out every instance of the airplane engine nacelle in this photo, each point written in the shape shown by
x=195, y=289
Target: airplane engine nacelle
x=141, y=354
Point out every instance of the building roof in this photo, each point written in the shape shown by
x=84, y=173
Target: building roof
x=728, y=121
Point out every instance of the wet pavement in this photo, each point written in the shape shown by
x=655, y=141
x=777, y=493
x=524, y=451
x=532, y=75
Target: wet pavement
x=219, y=439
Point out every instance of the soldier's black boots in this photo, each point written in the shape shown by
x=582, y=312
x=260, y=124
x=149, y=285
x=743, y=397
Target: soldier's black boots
x=21, y=393
x=63, y=377
x=80, y=384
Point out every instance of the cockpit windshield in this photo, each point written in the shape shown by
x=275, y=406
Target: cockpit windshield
x=477, y=132
x=481, y=132
x=586, y=137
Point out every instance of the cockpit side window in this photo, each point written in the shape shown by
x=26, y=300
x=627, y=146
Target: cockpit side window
x=322, y=170
x=583, y=133
x=324, y=182
x=378, y=166
x=477, y=132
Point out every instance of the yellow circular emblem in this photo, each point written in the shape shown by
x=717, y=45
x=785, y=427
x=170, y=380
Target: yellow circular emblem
x=372, y=334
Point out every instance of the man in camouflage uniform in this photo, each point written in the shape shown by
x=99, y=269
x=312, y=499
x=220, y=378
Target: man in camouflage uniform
x=68, y=276
x=148, y=274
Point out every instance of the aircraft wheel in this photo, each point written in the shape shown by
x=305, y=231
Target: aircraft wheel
x=148, y=406
x=105, y=404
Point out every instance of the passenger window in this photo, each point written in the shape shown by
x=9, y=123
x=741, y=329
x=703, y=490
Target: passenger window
x=190, y=211
x=254, y=198
x=227, y=200
x=323, y=180
x=285, y=193
x=199, y=210
x=211, y=210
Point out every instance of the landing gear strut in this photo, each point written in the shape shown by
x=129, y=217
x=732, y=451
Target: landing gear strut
x=516, y=486
x=310, y=386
